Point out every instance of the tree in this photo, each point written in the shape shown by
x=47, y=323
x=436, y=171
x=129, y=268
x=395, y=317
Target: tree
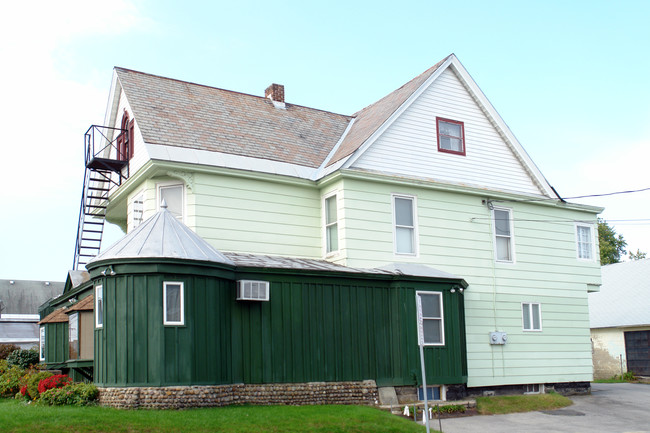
x=638, y=255
x=612, y=245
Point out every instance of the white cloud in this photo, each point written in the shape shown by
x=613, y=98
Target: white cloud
x=42, y=118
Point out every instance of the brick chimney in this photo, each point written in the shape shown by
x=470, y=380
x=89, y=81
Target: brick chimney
x=275, y=92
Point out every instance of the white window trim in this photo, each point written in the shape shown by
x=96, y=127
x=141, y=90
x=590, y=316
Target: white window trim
x=531, y=316
x=325, y=225
x=41, y=343
x=592, y=231
x=99, y=294
x=418, y=313
x=512, y=235
x=169, y=184
x=182, y=299
x=542, y=390
x=416, y=242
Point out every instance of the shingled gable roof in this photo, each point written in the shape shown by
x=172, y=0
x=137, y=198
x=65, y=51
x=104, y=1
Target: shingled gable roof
x=368, y=120
x=178, y=113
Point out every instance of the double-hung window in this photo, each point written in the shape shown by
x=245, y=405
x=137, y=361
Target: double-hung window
x=73, y=336
x=451, y=136
x=405, y=230
x=431, y=328
x=331, y=225
x=585, y=241
x=531, y=316
x=173, y=303
x=99, y=307
x=503, y=235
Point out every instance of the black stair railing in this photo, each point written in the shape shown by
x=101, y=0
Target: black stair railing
x=106, y=166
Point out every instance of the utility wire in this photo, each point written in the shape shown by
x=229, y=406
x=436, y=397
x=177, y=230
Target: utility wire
x=532, y=200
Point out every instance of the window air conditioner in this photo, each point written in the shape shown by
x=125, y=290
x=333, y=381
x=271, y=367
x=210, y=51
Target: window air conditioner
x=250, y=290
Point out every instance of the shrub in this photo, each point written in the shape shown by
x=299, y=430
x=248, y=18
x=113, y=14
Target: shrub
x=55, y=381
x=10, y=381
x=32, y=381
x=4, y=366
x=78, y=394
x=23, y=358
x=6, y=349
x=629, y=376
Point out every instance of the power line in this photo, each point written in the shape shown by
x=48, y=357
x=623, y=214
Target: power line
x=532, y=200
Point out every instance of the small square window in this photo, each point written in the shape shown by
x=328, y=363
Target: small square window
x=451, y=136
x=173, y=303
x=531, y=316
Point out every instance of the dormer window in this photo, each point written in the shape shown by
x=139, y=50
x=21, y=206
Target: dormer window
x=125, y=139
x=451, y=136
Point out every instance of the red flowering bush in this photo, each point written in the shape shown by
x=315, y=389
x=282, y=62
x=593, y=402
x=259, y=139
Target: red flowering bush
x=23, y=390
x=56, y=381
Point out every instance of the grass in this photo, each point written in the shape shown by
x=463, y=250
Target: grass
x=520, y=403
x=17, y=417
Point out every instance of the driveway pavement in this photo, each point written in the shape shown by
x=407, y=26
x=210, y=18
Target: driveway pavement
x=611, y=408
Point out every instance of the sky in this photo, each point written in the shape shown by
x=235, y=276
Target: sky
x=571, y=80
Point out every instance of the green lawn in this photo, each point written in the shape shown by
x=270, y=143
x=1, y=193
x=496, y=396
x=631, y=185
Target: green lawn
x=520, y=403
x=17, y=417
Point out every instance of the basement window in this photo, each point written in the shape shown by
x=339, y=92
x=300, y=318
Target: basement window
x=533, y=388
x=435, y=392
x=173, y=303
x=451, y=136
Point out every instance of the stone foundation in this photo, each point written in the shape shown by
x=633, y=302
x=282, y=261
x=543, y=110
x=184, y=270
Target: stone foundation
x=178, y=397
x=564, y=388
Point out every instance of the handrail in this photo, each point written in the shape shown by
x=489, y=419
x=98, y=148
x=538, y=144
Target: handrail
x=106, y=142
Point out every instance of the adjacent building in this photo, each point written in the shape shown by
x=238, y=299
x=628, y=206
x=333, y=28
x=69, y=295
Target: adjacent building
x=620, y=320
x=19, y=302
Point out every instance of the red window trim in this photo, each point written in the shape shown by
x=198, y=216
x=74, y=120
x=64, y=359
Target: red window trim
x=125, y=139
x=462, y=131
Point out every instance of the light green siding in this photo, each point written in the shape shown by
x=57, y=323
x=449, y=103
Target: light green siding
x=455, y=235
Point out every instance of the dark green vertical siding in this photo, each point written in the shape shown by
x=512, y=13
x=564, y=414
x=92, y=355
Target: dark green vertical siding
x=56, y=342
x=312, y=329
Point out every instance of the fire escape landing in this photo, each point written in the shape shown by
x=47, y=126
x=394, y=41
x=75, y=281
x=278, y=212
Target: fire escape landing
x=107, y=152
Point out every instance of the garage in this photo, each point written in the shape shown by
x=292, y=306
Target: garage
x=637, y=352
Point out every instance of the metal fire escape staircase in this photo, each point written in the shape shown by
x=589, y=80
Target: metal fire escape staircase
x=107, y=166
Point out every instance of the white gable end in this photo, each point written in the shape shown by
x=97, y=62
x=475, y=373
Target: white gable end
x=409, y=145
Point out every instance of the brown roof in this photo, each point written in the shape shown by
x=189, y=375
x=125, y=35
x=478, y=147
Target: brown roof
x=86, y=304
x=368, y=120
x=56, y=316
x=178, y=113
